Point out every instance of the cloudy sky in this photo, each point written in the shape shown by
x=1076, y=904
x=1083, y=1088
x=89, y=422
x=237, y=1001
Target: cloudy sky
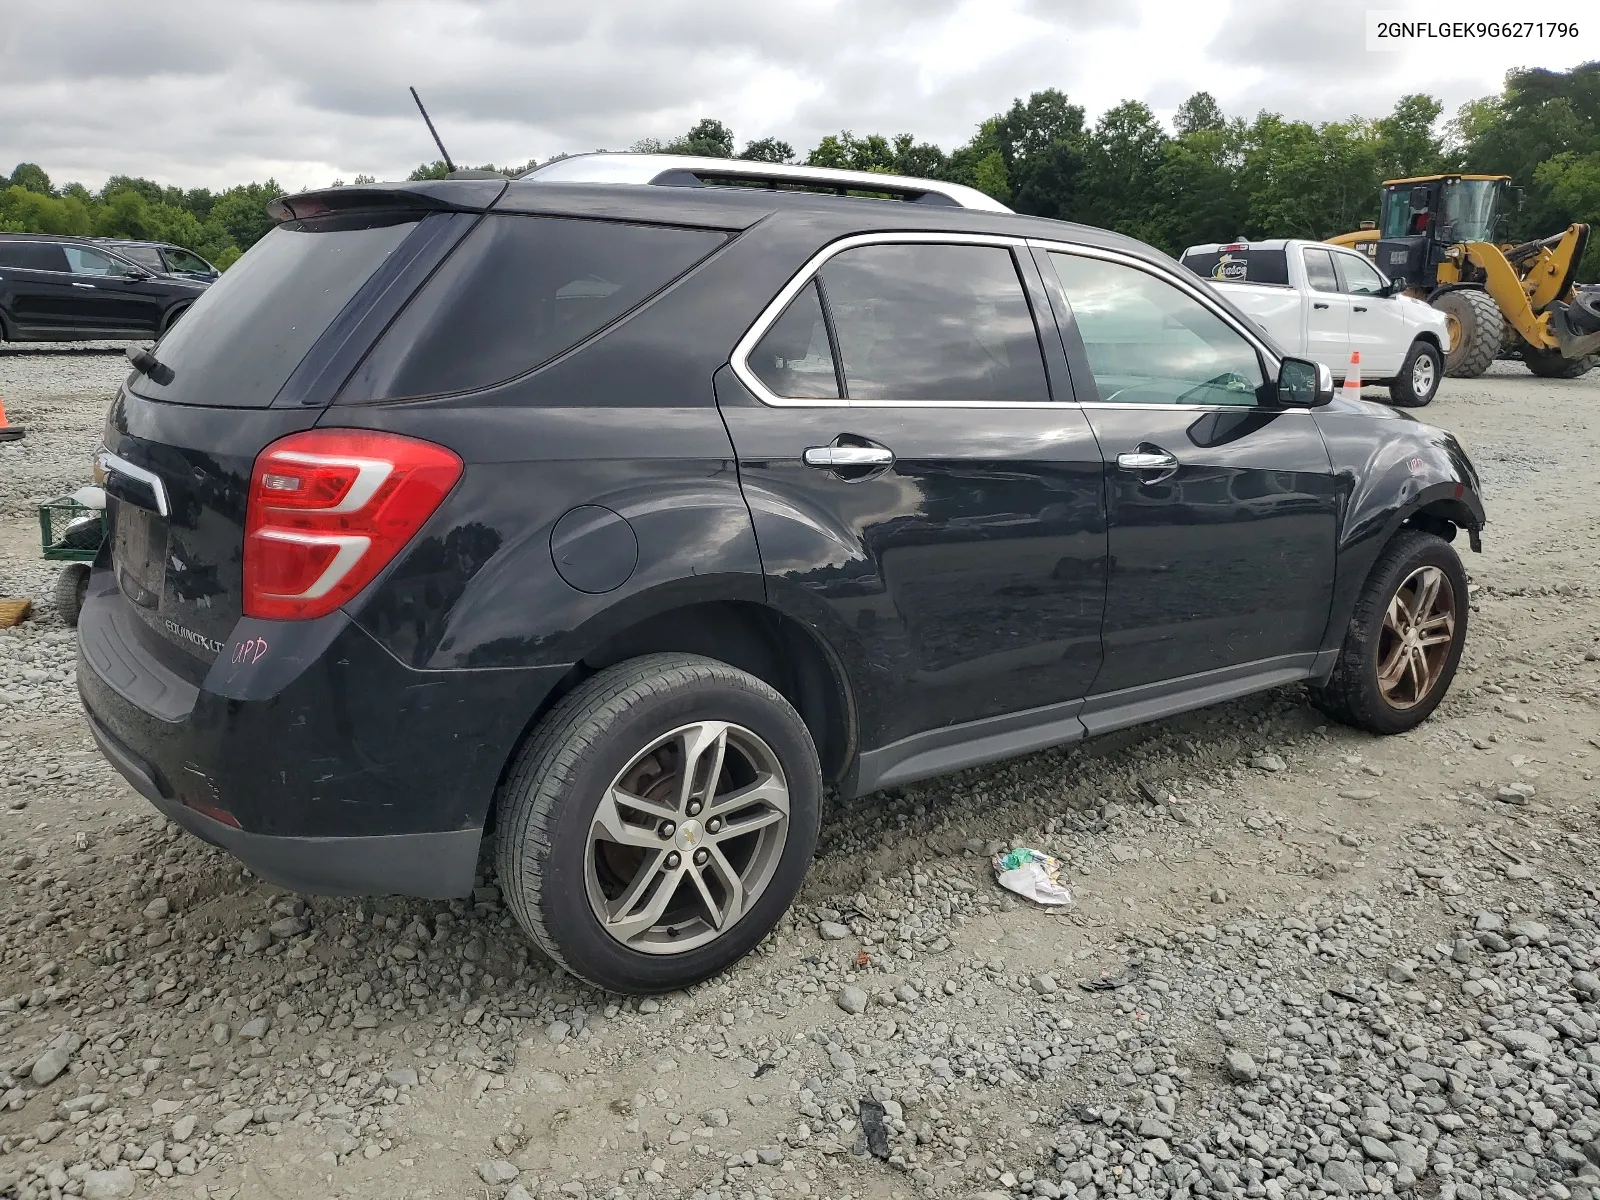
x=215, y=92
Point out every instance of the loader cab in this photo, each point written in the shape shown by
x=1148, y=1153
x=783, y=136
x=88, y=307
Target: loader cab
x=1422, y=217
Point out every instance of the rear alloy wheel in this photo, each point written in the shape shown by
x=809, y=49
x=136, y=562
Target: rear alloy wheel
x=1404, y=639
x=659, y=822
x=1418, y=380
x=1476, y=327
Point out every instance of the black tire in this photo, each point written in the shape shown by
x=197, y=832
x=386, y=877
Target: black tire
x=1549, y=365
x=548, y=800
x=71, y=587
x=1352, y=694
x=1413, y=387
x=173, y=317
x=1482, y=326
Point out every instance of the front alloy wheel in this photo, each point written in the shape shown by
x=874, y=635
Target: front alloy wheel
x=687, y=838
x=1418, y=631
x=658, y=822
x=1404, y=640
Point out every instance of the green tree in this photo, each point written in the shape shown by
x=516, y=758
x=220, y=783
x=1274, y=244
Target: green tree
x=1123, y=156
x=709, y=138
x=1571, y=185
x=31, y=176
x=437, y=169
x=768, y=149
x=241, y=212
x=1200, y=113
x=1407, y=144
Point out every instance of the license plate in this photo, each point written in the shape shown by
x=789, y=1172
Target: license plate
x=139, y=551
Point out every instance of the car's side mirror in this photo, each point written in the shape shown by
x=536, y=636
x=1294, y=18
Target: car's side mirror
x=1304, y=384
x=1394, y=287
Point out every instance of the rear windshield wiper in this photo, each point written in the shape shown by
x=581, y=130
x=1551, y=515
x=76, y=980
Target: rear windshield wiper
x=146, y=363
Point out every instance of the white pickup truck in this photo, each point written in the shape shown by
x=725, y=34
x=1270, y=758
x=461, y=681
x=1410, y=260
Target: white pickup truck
x=1322, y=302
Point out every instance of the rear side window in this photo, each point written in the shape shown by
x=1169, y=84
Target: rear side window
x=934, y=322
x=33, y=256
x=249, y=330
x=794, y=358
x=147, y=257
x=1319, y=270
x=1246, y=265
x=519, y=291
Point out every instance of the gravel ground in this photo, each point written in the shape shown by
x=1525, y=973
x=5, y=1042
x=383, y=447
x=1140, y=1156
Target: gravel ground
x=1303, y=961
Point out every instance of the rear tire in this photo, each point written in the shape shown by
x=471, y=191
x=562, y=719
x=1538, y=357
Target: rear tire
x=1548, y=365
x=587, y=874
x=1364, y=689
x=1418, y=381
x=72, y=585
x=1477, y=325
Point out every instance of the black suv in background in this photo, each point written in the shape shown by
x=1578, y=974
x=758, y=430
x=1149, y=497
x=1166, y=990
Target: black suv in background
x=163, y=258
x=60, y=289
x=622, y=518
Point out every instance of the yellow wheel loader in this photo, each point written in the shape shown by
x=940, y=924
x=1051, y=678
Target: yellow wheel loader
x=1436, y=233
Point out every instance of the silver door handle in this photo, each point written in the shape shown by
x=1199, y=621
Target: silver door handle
x=829, y=457
x=1140, y=461
x=90, y=286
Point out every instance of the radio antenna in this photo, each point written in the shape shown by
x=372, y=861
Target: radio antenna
x=449, y=166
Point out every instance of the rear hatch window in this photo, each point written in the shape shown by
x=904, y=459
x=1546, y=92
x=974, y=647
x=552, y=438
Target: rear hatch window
x=244, y=337
x=518, y=292
x=1240, y=264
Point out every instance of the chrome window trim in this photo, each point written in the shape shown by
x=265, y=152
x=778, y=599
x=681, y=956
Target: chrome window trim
x=739, y=359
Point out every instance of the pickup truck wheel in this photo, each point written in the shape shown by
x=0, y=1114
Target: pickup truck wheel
x=1418, y=381
x=1476, y=328
x=658, y=822
x=1404, y=639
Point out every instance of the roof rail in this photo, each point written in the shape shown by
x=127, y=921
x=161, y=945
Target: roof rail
x=683, y=170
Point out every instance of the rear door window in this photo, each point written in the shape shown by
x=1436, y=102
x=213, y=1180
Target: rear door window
x=794, y=358
x=1319, y=270
x=85, y=260
x=518, y=292
x=147, y=257
x=33, y=256
x=246, y=334
x=934, y=322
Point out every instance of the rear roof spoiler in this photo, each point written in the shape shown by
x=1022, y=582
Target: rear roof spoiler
x=426, y=195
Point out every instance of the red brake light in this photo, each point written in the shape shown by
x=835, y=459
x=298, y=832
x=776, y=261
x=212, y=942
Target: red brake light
x=329, y=509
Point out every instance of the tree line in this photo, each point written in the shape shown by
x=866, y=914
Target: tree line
x=1210, y=177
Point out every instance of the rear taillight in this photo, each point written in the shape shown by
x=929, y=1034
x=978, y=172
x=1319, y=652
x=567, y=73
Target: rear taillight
x=329, y=509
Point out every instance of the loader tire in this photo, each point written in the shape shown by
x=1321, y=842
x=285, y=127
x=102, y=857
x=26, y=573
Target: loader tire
x=1548, y=365
x=1477, y=328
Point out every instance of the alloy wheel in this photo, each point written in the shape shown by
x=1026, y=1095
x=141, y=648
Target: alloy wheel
x=1422, y=376
x=1418, y=629
x=686, y=838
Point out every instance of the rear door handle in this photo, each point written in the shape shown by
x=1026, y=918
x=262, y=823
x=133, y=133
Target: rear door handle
x=1318, y=304
x=1358, y=308
x=833, y=457
x=90, y=286
x=1142, y=460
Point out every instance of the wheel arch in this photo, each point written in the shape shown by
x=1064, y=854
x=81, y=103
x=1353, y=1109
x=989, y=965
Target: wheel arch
x=751, y=636
x=170, y=317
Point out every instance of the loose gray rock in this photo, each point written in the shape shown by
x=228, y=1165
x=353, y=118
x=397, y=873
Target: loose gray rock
x=109, y=1185
x=50, y=1064
x=233, y=1123
x=497, y=1171
x=183, y=1127
x=157, y=909
x=1241, y=1067
x=832, y=931
x=1268, y=762
x=254, y=1028
x=852, y=999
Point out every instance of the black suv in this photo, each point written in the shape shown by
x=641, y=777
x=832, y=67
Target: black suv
x=621, y=519
x=59, y=289
x=163, y=258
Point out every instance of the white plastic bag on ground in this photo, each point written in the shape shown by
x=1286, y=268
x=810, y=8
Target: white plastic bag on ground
x=1033, y=874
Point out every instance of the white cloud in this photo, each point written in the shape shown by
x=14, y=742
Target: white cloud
x=198, y=93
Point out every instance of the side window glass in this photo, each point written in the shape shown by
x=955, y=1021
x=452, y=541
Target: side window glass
x=1319, y=270
x=1360, y=277
x=32, y=256
x=84, y=260
x=794, y=357
x=927, y=321
x=1150, y=343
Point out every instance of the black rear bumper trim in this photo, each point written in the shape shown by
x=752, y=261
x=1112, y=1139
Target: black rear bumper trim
x=434, y=866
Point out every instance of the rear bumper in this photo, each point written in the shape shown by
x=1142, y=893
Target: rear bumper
x=339, y=770
x=436, y=866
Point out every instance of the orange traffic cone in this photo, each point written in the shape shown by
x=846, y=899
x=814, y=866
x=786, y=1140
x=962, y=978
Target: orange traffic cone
x=1352, y=377
x=10, y=433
